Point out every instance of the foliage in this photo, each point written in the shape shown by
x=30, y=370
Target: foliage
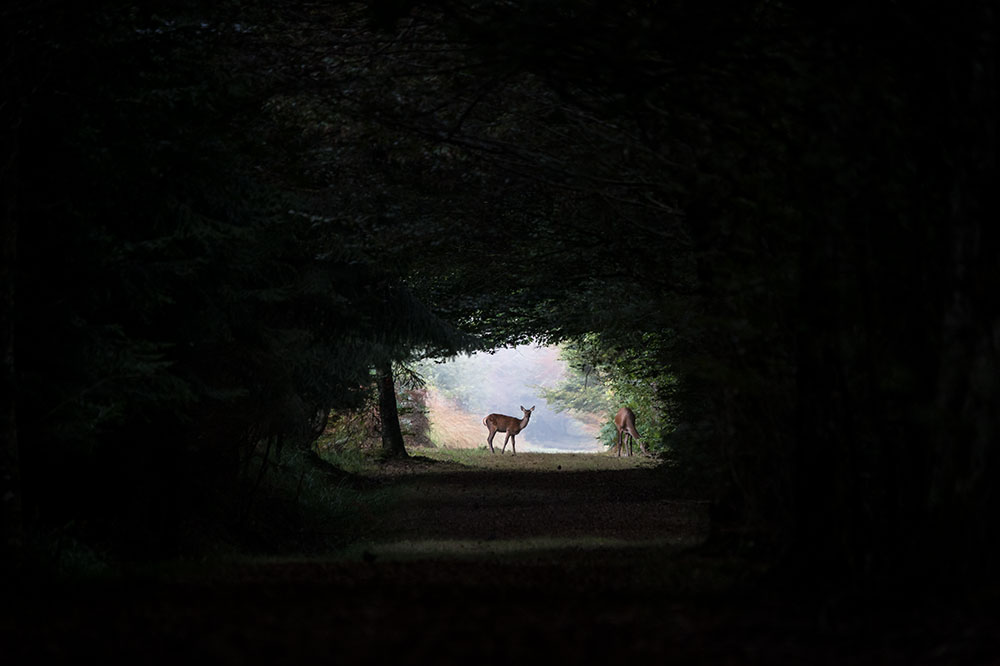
x=177, y=304
x=583, y=389
x=606, y=377
x=766, y=225
x=781, y=188
x=352, y=436
x=299, y=505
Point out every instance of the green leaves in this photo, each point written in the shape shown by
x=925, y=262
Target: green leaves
x=606, y=375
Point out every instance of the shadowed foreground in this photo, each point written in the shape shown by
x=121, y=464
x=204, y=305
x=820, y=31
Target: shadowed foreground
x=528, y=559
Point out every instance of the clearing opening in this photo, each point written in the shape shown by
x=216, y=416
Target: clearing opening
x=461, y=391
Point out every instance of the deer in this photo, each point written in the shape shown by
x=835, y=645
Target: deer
x=508, y=424
x=625, y=423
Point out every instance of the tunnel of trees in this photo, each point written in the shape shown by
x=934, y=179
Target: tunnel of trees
x=221, y=220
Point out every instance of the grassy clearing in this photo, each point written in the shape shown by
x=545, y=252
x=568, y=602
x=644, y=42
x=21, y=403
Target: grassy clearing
x=366, y=462
x=460, y=504
x=529, y=548
x=301, y=506
x=452, y=427
x=435, y=504
x=482, y=459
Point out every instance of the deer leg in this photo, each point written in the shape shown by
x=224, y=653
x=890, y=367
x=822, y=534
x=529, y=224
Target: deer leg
x=513, y=445
x=619, y=442
x=505, y=440
x=489, y=440
x=629, y=444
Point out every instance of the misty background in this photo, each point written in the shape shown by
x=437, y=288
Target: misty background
x=463, y=390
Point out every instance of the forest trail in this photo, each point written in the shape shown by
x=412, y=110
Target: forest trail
x=532, y=506
x=567, y=559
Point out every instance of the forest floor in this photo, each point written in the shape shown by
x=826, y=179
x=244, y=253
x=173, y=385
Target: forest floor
x=479, y=559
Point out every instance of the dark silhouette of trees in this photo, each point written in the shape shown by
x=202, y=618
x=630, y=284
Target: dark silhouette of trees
x=222, y=220
x=181, y=310
x=801, y=193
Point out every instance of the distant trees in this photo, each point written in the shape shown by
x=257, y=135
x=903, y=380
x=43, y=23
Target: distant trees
x=605, y=375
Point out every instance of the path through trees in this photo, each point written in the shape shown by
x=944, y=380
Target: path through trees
x=578, y=559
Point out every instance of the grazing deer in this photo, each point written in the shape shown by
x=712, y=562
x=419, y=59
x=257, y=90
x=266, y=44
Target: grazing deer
x=625, y=422
x=509, y=425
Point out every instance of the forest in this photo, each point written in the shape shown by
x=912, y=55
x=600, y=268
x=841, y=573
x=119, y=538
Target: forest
x=228, y=227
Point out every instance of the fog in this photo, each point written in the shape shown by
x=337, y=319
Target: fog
x=464, y=390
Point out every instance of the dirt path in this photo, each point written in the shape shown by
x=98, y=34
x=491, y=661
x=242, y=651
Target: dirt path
x=542, y=558
x=515, y=508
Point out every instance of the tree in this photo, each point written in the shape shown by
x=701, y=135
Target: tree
x=176, y=291
x=10, y=470
x=747, y=199
x=785, y=174
x=392, y=435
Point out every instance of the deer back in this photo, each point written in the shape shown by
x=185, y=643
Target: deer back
x=503, y=423
x=625, y=420
x=510, y=424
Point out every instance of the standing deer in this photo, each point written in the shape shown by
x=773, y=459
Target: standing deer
x=509, y=425
x=625, y=422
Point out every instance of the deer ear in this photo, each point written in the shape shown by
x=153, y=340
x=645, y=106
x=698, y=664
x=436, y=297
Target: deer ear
x=532, y=408
x=523, y=409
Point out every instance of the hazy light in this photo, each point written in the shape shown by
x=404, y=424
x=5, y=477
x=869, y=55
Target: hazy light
x=464, y=390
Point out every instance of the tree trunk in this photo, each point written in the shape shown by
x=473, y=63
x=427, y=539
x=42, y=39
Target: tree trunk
x=963, y=502
x=10, y=477
x=820, y=412
x=392, y=434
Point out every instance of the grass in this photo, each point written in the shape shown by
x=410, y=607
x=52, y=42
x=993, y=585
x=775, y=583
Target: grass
x=452, y=427
x=527, y=547
x=349, y=459
x=481, y=458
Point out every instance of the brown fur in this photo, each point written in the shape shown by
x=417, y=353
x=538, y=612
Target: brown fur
x=508, y=424
x=625, y=423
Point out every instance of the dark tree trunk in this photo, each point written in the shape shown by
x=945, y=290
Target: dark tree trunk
x=10, y=478
x=963, y=501
x=392, y=435
x=820, y=413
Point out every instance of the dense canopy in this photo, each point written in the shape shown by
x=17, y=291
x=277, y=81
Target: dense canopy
x=771, y=219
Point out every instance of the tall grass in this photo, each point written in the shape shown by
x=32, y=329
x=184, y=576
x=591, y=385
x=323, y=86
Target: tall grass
x=451, y=426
